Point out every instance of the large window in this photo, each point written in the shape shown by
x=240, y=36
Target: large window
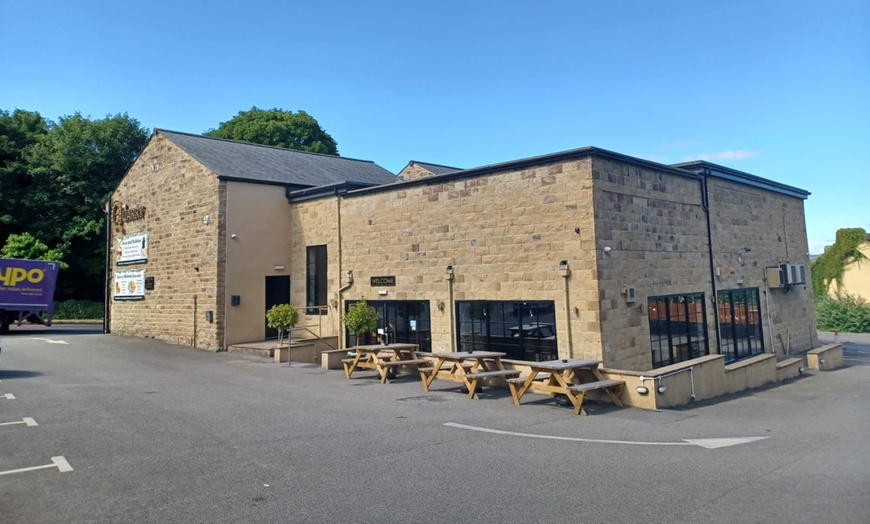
x=678, y=328
x=522, y=330
x=315, y=280
x=740, y=324
x=408, y=320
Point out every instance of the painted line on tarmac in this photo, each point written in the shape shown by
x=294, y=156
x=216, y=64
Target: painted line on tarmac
x=50, y=341
x=707, y=443
x=26, y=421
x=58, y=462
x=8, y=396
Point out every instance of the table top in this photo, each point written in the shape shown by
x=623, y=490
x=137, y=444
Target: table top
x=384, y=347
x=469, y=354
x=563, y=364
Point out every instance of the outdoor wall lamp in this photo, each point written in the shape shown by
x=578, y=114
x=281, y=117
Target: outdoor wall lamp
x=564, y=270
x=643, y=390
x=441, y=306
x=449, y=272
x=607, y=249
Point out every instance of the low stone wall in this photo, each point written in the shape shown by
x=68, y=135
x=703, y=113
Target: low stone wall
x=826, y=357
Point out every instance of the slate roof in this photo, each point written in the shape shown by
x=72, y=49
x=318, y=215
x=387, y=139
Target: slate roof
x=234, y=160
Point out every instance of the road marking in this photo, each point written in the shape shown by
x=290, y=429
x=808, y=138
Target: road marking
x=26, y=420
x=707, y=443
x=8, y=396
x=59, y=462
x=50, y=341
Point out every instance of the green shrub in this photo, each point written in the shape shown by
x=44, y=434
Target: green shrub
x=361, y=318
x=847, y=314
x=282, y=317
x=78, y=310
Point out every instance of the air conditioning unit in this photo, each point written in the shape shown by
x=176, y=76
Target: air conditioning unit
x=629, y=293
x=776, y=277
x=794, y=273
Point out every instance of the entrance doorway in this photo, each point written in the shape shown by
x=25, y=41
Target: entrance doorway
x=277, y=292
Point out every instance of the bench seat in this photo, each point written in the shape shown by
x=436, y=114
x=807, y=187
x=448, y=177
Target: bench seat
x=601, y=384
x=522, y=380
x=494, y=373
x=391, y=363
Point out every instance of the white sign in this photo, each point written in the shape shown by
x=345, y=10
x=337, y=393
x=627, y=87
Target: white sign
x=130, y=284
x=132, y=249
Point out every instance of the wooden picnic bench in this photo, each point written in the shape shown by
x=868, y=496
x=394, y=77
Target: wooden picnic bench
x=557, y=377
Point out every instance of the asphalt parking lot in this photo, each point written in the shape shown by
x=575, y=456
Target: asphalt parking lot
x=101, y=428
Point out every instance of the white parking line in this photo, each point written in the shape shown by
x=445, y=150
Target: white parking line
x=59, y=462
x=8, y=396
x=708, y=443
x=26, y=421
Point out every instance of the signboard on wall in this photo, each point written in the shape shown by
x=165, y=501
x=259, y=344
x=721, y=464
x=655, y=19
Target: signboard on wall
x=129, y=285
x=383, y=281
x=132, y=249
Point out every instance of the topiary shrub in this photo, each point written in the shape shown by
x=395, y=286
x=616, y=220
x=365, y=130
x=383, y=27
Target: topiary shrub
x=361, y=318
x=282, y=317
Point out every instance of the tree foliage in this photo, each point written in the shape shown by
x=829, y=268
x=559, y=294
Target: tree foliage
x=282, y=317
x=57, y=177
x=277, y=127
x=361, y=318
x=847, y=314
x=29, y=247
x=829, y=267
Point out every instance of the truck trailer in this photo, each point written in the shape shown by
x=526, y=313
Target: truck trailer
x=26, y=291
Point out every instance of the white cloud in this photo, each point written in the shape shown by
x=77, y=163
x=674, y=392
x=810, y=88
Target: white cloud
x=738, y=154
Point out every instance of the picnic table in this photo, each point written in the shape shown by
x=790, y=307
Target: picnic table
x=466, y=367
x=565, y=377
x=382, y=358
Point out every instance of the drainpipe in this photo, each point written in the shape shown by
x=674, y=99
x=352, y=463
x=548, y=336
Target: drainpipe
x=451, y=309
x=565, y=272
x=705, y=204
x=340, y=307
x=107, y=294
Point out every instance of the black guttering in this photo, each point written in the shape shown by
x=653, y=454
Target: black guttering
x=741, y=177
x=561, y=156
x=295, y=194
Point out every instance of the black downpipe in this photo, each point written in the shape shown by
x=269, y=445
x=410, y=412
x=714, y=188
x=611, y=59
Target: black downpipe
x=107, y=292
x=705, y=203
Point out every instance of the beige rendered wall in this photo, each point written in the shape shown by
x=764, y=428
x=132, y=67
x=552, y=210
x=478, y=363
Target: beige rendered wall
x=177, y=192
x=503, y=233
x=655, y=227
x=856, y=277
x=259, y=217
x=753, y=229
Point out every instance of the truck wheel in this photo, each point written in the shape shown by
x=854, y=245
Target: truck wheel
x=4, y=323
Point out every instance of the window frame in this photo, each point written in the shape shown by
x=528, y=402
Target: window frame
x=316, y=283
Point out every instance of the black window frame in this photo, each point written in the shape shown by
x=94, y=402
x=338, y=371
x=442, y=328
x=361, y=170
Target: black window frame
x=513, y=327
x=316, y=280
x=676, y=335
x=741, y=332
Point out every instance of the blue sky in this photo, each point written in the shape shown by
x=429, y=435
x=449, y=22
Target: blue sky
x=780, y=89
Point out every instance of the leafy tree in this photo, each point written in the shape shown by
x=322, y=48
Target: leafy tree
x=282, y=317
x=277, y=127
x=19, y=132
x=361, y=319
x=71, y=171
x=27, y=246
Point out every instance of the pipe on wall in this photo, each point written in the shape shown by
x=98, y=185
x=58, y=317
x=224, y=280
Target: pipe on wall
x=705, y=204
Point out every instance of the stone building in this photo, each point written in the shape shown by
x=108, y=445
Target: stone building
x=581, y=253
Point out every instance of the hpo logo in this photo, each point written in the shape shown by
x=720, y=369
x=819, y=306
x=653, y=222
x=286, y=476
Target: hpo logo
x=14, y=275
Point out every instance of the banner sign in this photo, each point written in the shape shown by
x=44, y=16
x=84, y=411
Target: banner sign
x=27, y=284
x=132, y=249
x=130, y=284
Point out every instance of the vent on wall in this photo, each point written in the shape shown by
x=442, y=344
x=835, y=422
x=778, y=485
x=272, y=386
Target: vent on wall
x=629, y=293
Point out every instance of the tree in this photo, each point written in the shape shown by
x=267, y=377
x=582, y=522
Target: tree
x=361, y=319
x=71, y=171
x=29, y=247
x=277, y=127
x=19, y=132
x=282, y=317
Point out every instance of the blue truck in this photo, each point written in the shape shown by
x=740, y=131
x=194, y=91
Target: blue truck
x=26, y=291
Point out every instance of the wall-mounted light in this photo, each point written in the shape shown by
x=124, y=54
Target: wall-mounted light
x=643, y=390
x=564, y=270
x=449, y=272
x=206, y=219
x=441, y=306
x=607, y=249
x=661, y=389
x=233, y=235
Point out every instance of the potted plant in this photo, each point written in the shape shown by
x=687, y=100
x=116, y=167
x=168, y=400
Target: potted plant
x=361, y=319
x=282, y=317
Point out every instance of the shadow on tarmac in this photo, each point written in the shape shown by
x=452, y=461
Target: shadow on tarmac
x=7, y=374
